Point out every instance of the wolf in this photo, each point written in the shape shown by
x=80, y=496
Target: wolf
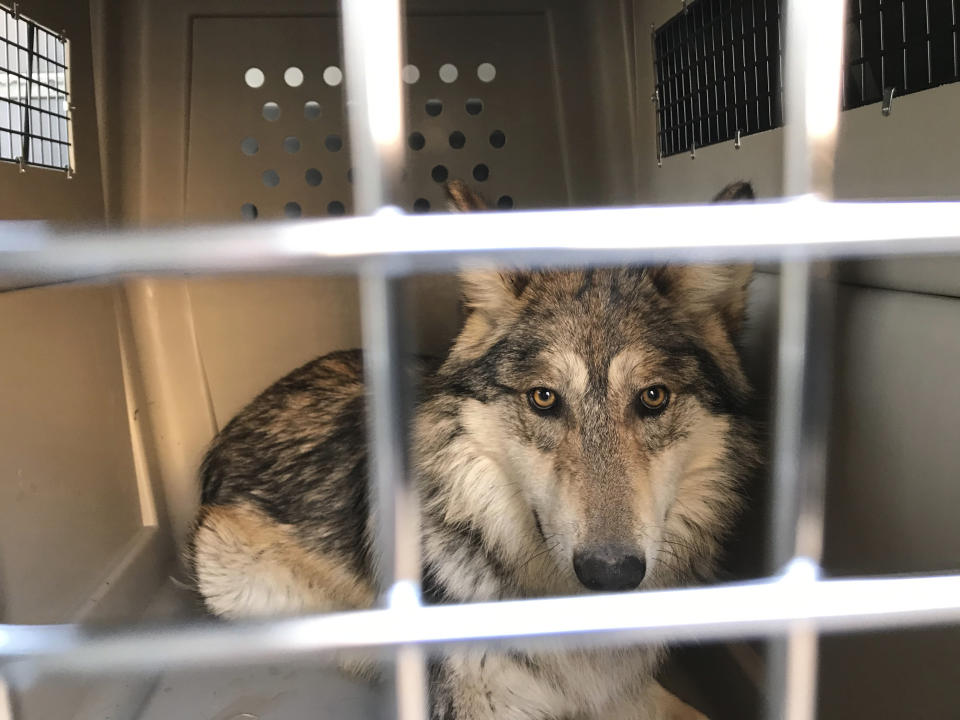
x=587, y=432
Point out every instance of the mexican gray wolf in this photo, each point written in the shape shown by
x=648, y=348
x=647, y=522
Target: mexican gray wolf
x=587, y=432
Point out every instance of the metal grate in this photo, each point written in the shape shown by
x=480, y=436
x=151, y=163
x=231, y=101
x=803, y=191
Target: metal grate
x=794, y=606
x=906, y=45
x=718, y=73
x=35, y=125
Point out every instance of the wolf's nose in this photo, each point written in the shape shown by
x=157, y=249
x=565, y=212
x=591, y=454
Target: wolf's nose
x=608, y=567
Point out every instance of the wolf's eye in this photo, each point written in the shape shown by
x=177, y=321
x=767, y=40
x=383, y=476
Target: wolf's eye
x=542, y=399
x=653, y=400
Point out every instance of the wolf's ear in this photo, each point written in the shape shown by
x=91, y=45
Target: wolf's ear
x=491, y=291
x=739, y=190
x=712, y=290
x=494, y=292
x=461, y=198
x=708, y=291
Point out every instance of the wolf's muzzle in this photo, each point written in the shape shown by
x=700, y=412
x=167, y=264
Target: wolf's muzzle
x=609, y=567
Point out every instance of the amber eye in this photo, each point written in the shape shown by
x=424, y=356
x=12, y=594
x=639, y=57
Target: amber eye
x=653, y=400
x=543, y=399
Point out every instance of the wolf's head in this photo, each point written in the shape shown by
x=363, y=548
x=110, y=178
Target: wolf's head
x=598, y=435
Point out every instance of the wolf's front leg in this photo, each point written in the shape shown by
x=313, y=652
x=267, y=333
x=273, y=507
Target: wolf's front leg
x=479, y=685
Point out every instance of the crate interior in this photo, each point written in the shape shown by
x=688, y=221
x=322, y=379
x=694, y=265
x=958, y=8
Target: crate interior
x=112, y=390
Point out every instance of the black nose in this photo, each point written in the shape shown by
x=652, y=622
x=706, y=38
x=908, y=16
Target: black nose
x=608, y=567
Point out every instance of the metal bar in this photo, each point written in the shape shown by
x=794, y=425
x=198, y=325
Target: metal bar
x=756, y=609
x=814, y=46
x=804, y=229
x=373, y=58
x=372, y=61
x=394, y=495
x=814, y=49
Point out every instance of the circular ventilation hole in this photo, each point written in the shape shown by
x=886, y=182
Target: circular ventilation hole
x=336, y=208
x=448, y=72
x=474, y=106
x=410, y=74
x=486, y=72
x=498, y=139
x=293, y=76
x=271, y=111
x=291, y=144
x=505, y=202
x=333, y=143
x=421, y=205
x=249, y=211
x=311, y=110
x=254, y=78
x=271, y=178
x=457, y=140
x=481, y=172
x=292, y=210
x=433, y=107
x=249, y=146
x=333, y=76
x=416, y=141
x=350, y=176
x=313, y=176
x=439, y=173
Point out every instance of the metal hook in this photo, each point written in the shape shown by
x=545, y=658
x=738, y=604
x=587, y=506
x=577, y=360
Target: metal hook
x=736, y=140
x=887, y=101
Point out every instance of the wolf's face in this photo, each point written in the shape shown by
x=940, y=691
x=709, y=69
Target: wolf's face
x=608, y=404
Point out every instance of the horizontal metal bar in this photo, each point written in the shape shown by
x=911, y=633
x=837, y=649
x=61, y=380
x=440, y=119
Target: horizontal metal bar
x=791, y=230
x=765, y=608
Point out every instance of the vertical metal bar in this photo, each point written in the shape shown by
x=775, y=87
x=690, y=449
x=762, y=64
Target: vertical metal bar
x=394, y=501
x=814, y=49
x=373, y=58
x=6, y=702
x=812, y=86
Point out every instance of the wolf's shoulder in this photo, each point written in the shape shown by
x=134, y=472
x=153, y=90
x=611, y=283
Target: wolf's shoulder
x=270, y=438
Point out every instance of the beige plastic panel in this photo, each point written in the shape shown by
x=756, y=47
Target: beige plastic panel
x=894, y=489
x=69, y=503
x=252, y=331
x=520, y=102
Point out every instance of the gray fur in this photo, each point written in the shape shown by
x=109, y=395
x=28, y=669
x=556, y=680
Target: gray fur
x=508, y=493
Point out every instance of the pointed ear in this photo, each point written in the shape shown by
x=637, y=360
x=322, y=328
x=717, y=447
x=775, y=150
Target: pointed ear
x=739, y=190
x=712, y=290
x=461, y=198
x=708, y=291
x=494, y=292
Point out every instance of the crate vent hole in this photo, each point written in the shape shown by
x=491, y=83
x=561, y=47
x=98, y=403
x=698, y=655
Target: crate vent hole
x=254, y=78
x=293, y=76
x=271, y=111
x=486, y=72
x=448, y=73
